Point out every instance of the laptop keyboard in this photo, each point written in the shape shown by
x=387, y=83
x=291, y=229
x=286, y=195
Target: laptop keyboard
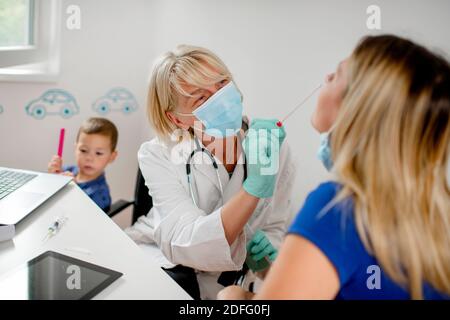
x=12, y=180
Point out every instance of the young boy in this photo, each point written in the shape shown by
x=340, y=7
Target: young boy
x=95, y=148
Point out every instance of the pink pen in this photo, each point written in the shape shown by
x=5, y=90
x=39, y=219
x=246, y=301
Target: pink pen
x=61, y=142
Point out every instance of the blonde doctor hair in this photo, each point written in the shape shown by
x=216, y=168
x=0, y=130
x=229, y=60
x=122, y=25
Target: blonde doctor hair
x=390, y=147
x=186, y=64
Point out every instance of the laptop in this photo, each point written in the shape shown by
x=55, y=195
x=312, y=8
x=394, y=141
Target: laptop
x=22, y=191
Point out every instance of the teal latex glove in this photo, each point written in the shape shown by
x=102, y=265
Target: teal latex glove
x=258, y=248
x=269, y=124
x=262, y=149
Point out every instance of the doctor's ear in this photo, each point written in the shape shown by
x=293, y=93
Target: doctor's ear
x=174, y=119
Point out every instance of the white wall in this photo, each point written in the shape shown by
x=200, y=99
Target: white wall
x=277, y=50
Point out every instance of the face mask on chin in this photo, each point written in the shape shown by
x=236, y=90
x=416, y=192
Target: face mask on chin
x=324, y=151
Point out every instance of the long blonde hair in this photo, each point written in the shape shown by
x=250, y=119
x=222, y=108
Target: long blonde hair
x=185, y=65
x=390, y=147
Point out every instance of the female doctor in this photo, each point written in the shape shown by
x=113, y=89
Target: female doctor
x=220, y=188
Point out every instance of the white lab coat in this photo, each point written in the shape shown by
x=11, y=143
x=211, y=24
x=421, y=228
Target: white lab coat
x=175, y=231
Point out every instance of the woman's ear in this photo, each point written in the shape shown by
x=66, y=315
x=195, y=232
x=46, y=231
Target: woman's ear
x=174, y=119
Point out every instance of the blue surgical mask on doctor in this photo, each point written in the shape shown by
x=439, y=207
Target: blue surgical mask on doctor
x=324, y=152
x=221, y=114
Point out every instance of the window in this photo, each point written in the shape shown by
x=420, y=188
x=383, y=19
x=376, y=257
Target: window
x=16, y=24
x=29, y=40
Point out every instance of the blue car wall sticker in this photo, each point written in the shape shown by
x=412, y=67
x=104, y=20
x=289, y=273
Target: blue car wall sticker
x=53, y=102
x=116, y=99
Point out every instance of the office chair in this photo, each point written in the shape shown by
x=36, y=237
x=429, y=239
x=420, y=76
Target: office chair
x=142, y=202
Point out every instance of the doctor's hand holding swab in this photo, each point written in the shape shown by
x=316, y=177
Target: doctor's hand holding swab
x=262, y=147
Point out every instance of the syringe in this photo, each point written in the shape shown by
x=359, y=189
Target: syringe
x=55, y=227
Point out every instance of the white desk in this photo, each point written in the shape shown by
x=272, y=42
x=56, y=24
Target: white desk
x=88, y=227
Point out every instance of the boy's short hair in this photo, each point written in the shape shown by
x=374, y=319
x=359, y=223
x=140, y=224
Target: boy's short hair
x=100, y=126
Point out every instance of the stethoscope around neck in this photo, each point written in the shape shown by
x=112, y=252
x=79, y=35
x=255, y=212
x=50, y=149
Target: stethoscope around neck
x=240, y=275
x=201, y=149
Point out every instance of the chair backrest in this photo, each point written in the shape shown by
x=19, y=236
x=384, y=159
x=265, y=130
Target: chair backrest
x=142, y=200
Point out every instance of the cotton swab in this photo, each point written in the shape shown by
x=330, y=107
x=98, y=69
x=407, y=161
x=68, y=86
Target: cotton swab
x=280, y=123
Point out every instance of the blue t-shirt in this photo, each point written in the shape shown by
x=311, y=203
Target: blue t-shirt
x=97, y=189
x=334, y=232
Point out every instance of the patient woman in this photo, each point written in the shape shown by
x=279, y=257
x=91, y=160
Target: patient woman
x=382, y=229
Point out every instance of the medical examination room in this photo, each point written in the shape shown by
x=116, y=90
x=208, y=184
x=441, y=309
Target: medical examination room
x=192, y=150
